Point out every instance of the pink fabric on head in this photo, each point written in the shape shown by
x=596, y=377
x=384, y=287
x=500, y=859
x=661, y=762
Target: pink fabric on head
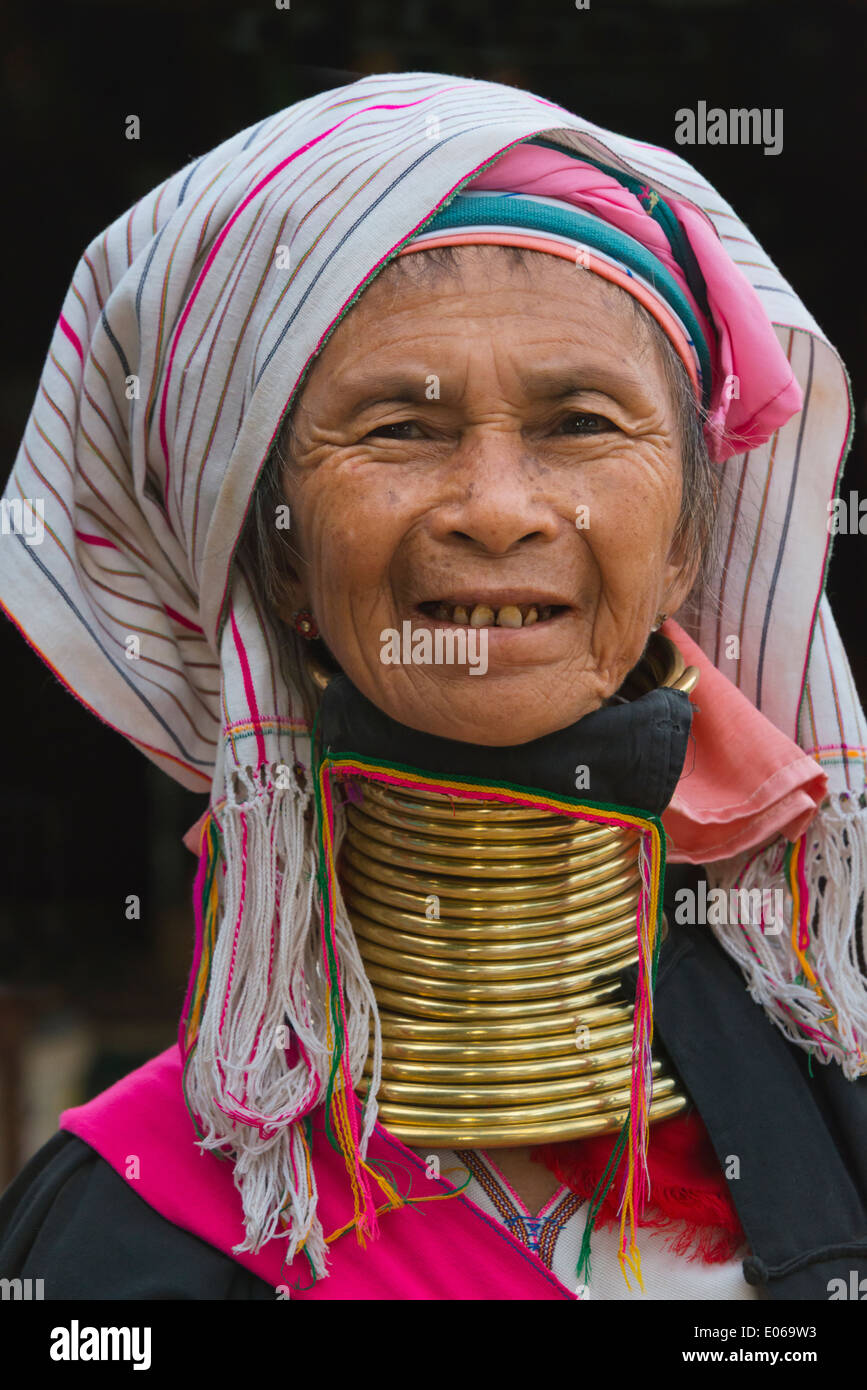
x=744, y=782
x=747, y=347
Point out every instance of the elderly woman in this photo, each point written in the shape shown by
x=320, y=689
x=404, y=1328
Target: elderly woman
x=378, y=449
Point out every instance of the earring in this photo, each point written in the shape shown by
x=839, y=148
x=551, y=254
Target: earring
x=305, y=624
x=660, y=619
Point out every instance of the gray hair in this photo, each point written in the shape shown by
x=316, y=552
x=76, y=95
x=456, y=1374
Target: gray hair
x=267, y=552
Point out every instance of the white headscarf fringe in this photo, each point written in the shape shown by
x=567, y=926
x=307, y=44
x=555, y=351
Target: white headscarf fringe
x=261, y=991
x=828, y=1018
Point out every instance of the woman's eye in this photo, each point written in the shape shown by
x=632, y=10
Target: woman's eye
x=400, y=430
x=582, y=422
x=578, y=422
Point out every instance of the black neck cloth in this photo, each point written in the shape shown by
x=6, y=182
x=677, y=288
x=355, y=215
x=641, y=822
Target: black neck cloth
x=633, y=753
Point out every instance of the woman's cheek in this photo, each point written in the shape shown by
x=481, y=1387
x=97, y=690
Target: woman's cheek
x=328, y=517
x=632, y=518
x=628, y=563
x=350, y=553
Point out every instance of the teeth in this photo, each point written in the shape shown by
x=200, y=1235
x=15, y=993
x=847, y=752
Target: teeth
x=509, y=616
x=482, y=616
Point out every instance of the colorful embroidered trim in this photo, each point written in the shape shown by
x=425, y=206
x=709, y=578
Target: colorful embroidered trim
x=206, y=903
x=539, y=1233
x=793, y=869
x=796, y=878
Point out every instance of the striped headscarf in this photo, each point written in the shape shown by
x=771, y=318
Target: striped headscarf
x=186, y=332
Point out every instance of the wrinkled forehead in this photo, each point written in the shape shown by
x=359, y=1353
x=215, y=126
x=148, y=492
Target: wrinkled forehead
x=524, y=302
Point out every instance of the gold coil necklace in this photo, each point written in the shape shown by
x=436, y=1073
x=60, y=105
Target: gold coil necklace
x=494, y=937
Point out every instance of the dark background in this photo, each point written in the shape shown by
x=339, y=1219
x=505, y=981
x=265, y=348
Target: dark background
x=84, y=819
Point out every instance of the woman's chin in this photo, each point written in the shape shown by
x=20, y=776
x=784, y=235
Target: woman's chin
x=491, y=719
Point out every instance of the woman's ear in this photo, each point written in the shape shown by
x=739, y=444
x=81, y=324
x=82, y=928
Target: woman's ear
x=291, y=599
x=681, y=572
x=693, y=535
x=692, y=542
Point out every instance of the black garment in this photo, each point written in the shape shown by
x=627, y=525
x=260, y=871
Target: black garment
x=70, y=1220
x=800, y=1139
x=633, y=752
x=801, y=1142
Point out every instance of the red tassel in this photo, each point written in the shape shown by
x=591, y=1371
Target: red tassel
x=687, y=1185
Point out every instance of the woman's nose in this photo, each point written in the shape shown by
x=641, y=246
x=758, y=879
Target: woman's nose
x=497, y=497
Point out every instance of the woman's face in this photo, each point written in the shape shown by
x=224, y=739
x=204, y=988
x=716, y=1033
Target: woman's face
x=495, y=442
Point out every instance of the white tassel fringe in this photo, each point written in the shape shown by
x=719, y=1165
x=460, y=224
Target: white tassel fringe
x=836, y=852
x=238, y=1081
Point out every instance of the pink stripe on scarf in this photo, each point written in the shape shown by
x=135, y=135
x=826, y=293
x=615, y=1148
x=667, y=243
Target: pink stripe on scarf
x=95, y=540
x=72, y=336
x=179, y=618
x=250, y=692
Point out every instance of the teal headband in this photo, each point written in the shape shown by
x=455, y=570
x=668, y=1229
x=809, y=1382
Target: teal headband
x=520, y=211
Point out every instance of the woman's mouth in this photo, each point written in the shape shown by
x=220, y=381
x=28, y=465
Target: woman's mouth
x=481, y=614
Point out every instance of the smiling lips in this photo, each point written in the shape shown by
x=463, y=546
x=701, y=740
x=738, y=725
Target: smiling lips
x=484, y=615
